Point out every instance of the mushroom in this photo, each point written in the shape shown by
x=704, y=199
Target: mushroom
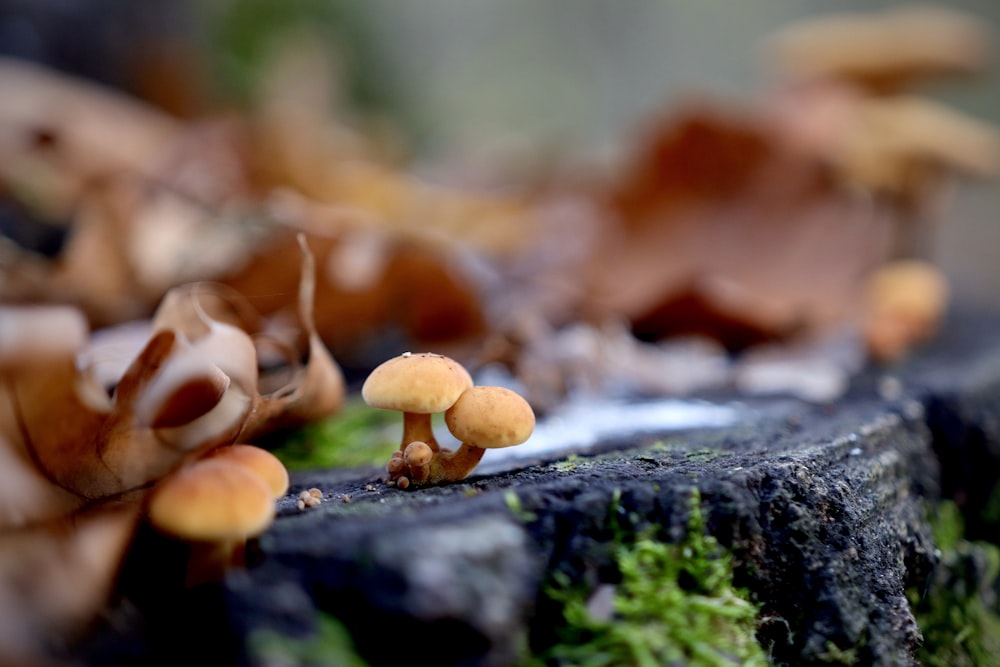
x=418, y=385
x=905, y=302
x=882, y=52
x=893, y=144
x=482, y=418
x=214, y=504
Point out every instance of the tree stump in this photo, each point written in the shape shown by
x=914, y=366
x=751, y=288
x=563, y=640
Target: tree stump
x=824, y=508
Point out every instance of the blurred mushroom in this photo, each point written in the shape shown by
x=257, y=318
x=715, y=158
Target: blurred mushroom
x=904, y=305
x=881, y=52
x=418, y=385
x=214, y=505
x=835, y=72
x=261, y=462
x=906, y=149
x=841, y=98
x=895, y=144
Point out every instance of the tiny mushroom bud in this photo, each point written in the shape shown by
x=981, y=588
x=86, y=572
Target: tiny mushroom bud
x=214, y=505
x=396, y=465
x=417, y=457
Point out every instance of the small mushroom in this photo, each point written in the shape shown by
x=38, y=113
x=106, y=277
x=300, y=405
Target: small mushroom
x=482, y=418
x=214, y=505
x=418, y=385
x=906, y=300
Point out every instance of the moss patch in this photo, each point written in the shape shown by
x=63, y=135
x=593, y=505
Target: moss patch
x=329, y=645
x=958, y=612
x=358, y=435
x=674, y=604
x=513, y=503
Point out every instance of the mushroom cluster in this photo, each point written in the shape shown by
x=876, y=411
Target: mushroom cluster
x=481, y=417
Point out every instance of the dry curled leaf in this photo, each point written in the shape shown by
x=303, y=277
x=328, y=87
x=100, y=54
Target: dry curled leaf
x=79, y=448
x=727, y=233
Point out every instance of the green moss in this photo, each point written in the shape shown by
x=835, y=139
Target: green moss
x=329, y=645
x=683, y=448
x=513, y=503
x=675, y=604
x=703, y=455
x=957, y=612
x=834, y=655
x=568, y=464
x=357, y=436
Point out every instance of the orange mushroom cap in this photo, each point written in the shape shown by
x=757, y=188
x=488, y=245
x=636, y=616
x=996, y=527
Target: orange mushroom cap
x=212, y=500
x=261, y=462
x=490, y=417
x=423, y=383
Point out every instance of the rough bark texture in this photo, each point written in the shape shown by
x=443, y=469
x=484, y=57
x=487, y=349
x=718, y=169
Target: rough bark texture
x=823, y=507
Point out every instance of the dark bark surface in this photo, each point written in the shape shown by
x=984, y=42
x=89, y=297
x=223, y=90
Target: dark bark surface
x=823, y=506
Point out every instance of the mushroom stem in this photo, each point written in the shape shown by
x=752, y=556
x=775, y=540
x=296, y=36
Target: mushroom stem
x=452, y=466
x=417, y=427
x=208, y=561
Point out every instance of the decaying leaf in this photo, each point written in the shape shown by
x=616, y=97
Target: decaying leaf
x=723, y=222
x=105, y=445
x=53, y=577
x=76, y=453
x=372, y=285
x=765, y=240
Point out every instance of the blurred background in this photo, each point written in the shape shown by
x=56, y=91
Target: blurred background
x=457, y=83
